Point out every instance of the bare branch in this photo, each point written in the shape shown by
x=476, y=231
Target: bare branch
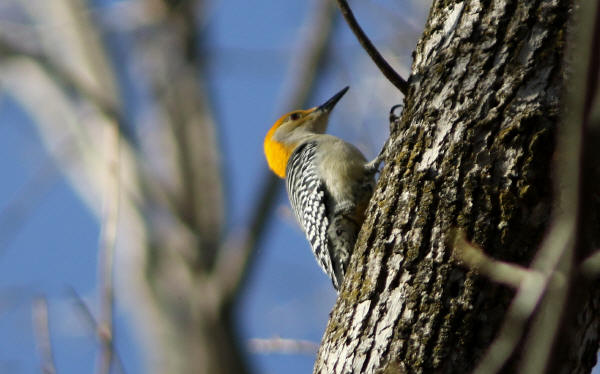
x=107, y=242
x=590, y=267
x=578, y=141
x=42, y=334
x=60, y=128
x=88, y=66
x=84, y=55
x=498, y=271
x=95, y=327
x=67, y=80
x=555, y=257
x=285, y=346
x=187, y=103
x=381, y=63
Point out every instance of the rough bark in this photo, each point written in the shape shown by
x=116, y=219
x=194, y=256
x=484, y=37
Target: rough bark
x=473, y=150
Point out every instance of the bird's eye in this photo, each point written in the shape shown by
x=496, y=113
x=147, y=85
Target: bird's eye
x=294, y=116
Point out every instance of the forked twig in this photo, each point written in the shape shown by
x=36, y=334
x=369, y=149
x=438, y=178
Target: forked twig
x=95, y=327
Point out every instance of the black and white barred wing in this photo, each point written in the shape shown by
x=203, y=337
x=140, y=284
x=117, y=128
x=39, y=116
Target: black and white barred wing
x=308, y=196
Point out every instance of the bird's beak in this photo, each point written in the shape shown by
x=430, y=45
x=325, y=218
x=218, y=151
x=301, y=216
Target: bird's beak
x=329, y=104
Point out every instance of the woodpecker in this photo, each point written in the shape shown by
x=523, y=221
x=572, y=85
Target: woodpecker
x=329, y=183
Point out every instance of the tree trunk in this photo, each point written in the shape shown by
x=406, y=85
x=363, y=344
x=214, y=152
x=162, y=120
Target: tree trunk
x=473, y=150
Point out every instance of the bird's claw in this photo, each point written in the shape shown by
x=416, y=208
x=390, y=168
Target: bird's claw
x=393, y=116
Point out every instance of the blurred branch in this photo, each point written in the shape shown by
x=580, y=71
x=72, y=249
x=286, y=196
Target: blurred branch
x=181, y=98
x=553, y=253
x=68, y=81
x=578, y=141
x=95, y=327
x=42, y=334
x=286, y=346
x=84, y=54
x=233, y=265
x=108, y=237
x=84, y=66
x=49, y=85
x=72, y=60
x=60, y=127
x=590, y=267
x=498, y=271
x=381, y=63
x=556, y=255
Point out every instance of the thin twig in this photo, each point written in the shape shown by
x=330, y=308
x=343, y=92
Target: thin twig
x=498, y=271
x=102, y=72
x=94, y=326
x=42, y=334
x=381, y=63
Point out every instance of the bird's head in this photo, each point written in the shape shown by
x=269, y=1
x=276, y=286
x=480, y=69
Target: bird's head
x=293, y=128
